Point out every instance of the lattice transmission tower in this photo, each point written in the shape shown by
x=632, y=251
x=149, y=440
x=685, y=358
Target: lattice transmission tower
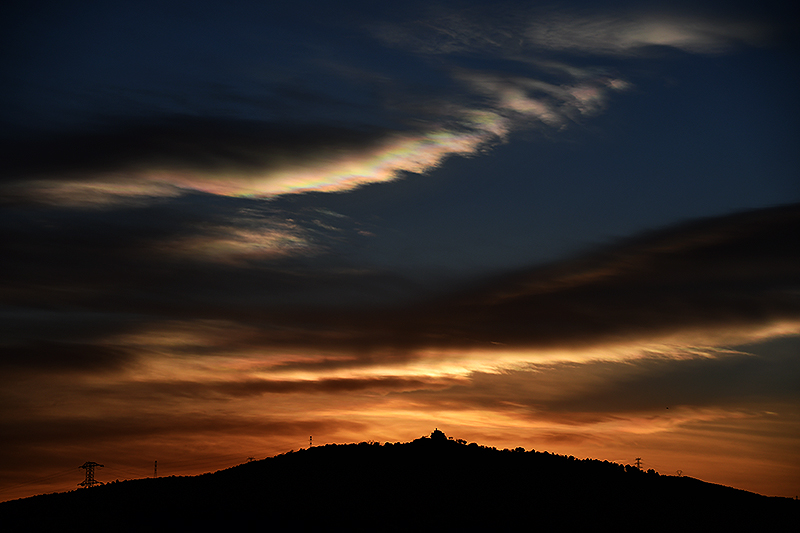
x=90, y=481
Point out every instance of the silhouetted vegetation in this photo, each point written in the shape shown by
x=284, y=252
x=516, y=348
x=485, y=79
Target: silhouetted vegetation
x=431, y=483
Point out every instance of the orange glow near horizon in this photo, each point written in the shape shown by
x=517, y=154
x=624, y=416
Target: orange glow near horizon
x=198, y=414
x=737, y=459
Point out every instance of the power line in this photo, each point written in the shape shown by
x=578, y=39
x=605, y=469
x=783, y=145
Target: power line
x=42, y=479
x=124, y=473
x=214, y=462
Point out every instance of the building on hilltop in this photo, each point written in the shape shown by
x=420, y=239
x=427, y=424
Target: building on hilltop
x=438, y=435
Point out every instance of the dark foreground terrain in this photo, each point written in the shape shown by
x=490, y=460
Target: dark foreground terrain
x=432, y=483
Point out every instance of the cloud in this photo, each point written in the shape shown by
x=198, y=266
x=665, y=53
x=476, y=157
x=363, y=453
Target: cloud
x=211, y=389
x=137, y=165
x=732, y=381
x=632, y=32
x=666, y=384
x=717, y=274
x=729, y=281
x=714, y=395
x=60, y=357
x=523, y=99
x=715, y=282
x=240, y=245
x=126, y=162
x=511, y=31
x=444, y=31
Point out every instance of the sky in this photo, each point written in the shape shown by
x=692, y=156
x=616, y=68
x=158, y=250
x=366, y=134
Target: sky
x=231, y=226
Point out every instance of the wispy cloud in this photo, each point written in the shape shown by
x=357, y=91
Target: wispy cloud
x=696, y=282
x=631, y=33
x=715, y=283
x=237, y=245
x=136, y=163
x=249, y=164
x=148, y=160
x=525, y=99
x=511, y=31
x=255, y=165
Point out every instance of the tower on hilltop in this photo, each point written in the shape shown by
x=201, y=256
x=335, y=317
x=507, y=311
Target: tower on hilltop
x=90, y=481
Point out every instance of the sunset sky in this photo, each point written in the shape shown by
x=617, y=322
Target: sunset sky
x=229, y=226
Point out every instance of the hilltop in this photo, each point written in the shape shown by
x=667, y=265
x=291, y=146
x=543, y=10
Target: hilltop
x=431, y=483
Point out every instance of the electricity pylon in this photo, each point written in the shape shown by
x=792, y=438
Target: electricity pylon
x=90, y=481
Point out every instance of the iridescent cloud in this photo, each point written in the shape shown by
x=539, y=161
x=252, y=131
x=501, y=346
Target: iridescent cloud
x=517, y=103
x=258, y=173
x=170, y=158
x=166, y=159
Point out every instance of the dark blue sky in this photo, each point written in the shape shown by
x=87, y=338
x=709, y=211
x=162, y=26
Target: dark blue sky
x=703, y=128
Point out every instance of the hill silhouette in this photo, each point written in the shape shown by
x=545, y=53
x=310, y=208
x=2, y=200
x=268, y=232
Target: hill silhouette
x=432, y=483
